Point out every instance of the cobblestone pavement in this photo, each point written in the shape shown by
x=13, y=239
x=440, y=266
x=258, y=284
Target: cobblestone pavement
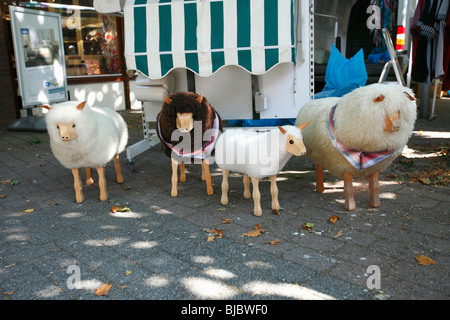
x=54, y=248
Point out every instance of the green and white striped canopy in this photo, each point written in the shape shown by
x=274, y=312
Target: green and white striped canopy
x=205, y=35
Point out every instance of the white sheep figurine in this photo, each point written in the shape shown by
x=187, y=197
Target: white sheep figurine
x=358, y=135
x=257, y=155
x=89, y=137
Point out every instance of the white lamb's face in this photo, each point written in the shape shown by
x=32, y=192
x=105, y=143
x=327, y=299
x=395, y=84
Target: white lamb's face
x=295, y=146
x=62, y=124
x=67, y=131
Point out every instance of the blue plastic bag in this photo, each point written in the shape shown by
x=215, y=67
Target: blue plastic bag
x=343, y=75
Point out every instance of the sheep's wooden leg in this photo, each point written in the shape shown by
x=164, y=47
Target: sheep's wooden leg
x=174, y=191
x=102, y=183
x=89, y=179
x=203, y=172
x=182, y=172
x=319, y=179
x=205, y=168
x=118, y=169
x=77, y=184
x=257, y=211
x=247, y=194
x=374, y=188
x=348, y=192
x=224, y=199
x=274, y=193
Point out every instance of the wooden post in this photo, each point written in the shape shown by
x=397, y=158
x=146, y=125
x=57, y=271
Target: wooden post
x=247, y=194
x=224, y=199
x=77, y=184
x=257, y=211
x=118, y=169
x=319, y=179
x=274, y=193
x=348, y=192
x=102, y=183
x=374, y=188
x=174, y=191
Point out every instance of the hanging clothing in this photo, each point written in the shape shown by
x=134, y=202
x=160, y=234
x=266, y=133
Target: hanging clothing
x=422, y=71
x=428, y=38
x=446, y=53
x=388, y=8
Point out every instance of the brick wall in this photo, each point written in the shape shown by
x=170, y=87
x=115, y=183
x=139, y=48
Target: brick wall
x=8, y=111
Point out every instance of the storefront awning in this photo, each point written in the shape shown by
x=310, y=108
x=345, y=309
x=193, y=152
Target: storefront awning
x=205, y=35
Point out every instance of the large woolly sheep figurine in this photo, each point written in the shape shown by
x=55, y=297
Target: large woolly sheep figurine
x=257, y=155
x=89, y=137
x=359, y=134
x=177, y=121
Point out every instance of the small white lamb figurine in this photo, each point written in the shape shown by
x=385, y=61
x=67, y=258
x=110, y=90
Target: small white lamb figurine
x=257, y=155
x=359, y=134
x=90, y=137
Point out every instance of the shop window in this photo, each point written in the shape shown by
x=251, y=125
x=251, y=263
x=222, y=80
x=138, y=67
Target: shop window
x=91, y=43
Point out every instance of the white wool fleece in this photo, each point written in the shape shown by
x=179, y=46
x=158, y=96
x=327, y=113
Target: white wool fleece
x=359, y=124
x=101, y=134
x=257, y=154
x=359, y=121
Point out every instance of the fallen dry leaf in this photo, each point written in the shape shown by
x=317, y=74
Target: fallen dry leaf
x=334, y=218
x=424, y=261
x=2, y=196
x=274, y=242
x=103, y=290
x=28, y=210
x=216, y=233
x=308, y=226
x=277, y=212
x=119, y=208
x=340, y=233
x=259, y=230
x=128, y=272
x=225, y=220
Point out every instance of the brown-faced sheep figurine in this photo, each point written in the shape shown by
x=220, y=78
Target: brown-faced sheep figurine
x=358, y=135
x=177, y=120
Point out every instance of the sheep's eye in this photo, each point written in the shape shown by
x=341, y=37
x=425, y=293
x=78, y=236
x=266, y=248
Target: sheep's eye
x=73, y=126
x=291, y=141
x=57, y=127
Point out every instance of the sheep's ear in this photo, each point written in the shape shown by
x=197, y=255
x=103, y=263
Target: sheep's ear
x=409, y=96
x=200, y=98
x=379, y=98
x=303, y=125
x=81, y=105
x=283, y=131
x=167, y=100
x=46, y=107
